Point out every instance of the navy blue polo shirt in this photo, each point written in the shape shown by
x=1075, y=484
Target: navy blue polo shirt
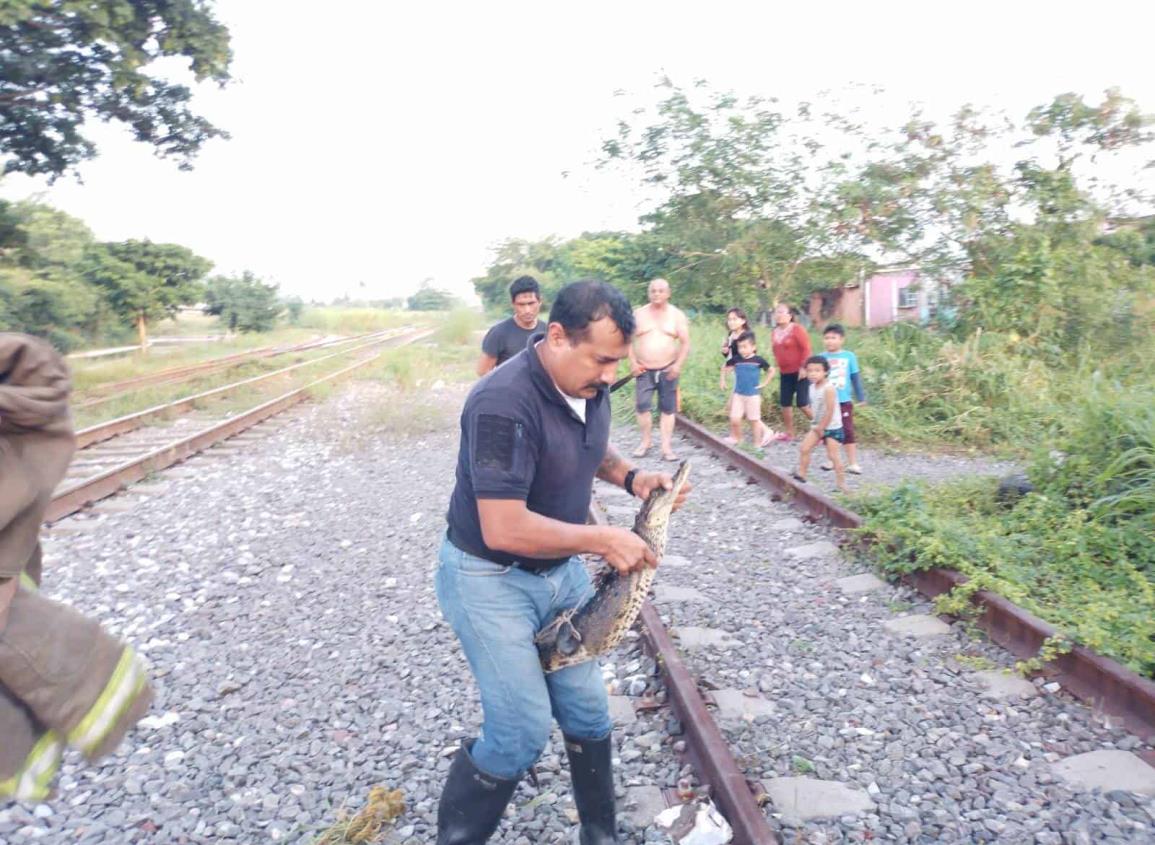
x=520, y=439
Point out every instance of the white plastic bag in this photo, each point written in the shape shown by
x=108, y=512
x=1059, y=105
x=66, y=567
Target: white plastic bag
x=708, y=828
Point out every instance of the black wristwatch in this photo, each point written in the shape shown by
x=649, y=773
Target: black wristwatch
x=629, y=482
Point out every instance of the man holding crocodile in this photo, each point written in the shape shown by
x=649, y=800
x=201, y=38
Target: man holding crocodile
x=534, y=434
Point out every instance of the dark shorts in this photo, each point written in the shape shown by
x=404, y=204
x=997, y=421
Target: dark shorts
x=847, y=409
x=793, y=388
x=834, y=434
x=647, y=383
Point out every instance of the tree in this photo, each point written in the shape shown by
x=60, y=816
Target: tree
x=429, y=298
x=41, y=291
x=294, y=306
x=63, y=62
x=750, y=203
x=244, y=304
x=144, y=281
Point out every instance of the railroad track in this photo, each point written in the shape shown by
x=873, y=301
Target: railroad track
x=128, y=449
x=107, y=392
x=1107, y=687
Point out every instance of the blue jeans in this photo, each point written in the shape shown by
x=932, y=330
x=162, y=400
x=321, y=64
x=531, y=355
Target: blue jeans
x=496, y=611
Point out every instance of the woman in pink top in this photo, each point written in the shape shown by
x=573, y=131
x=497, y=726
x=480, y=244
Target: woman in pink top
x=791, y=344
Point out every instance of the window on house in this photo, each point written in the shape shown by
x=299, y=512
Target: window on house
x=907, y=297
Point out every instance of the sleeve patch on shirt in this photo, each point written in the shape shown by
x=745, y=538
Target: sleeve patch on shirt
x=496, y=440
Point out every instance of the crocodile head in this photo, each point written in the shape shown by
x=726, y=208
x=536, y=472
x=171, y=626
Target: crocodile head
x=653, y=518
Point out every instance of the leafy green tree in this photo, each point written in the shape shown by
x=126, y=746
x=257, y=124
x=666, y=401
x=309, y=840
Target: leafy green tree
x=749, y=209
x=40, y=290
x=145, y=281
x=244, y=303
x=1135, y=238
x=63, y=62
x=429, y=298
x=294, y=306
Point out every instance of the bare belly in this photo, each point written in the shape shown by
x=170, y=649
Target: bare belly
x=655, y=350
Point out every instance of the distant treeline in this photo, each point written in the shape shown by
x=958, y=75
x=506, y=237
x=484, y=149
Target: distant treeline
x=59, y=282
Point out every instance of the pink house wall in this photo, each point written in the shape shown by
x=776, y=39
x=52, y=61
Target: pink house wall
x=882, y=290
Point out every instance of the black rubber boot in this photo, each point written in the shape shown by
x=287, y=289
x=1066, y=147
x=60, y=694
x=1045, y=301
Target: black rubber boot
x=591, y=766
x=471, y=803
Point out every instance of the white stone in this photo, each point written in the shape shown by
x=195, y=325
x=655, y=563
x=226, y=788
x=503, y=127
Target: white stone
x=789, y=524
x=735, y=704
x=1001, y=684
x=643, y=803
x=1107, y=770
x=917, y=625
x=692, y=637
x=675, y=561
x=811, y=551
x=859, y=583
x=673, y=593
x=799, y=800
x=622, y=710
x=157, y=722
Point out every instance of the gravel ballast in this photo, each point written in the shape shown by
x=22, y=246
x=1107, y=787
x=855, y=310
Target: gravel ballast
x=283, y=594
x=857, y=686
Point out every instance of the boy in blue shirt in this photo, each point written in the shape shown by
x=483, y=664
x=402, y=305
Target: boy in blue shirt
x=746, y=402
x=846, y=377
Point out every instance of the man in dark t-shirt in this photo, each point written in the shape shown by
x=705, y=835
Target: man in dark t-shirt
x=534, y=435
x=507, y=338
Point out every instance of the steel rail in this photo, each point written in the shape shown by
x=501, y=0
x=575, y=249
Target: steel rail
x=706, y=748
x=83, y=493
x=1104, y=684
x=131, y=422
x=102, y=393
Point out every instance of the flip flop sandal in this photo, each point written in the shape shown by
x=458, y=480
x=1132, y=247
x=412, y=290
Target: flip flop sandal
x=670, y=458
x=641, y=453
x=798, y=477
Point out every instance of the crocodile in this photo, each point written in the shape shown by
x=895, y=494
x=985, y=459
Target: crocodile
x=579, y=634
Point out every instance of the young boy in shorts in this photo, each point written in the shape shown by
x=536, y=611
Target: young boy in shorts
x=746, y=402
x=845, y=376
x=827, y=422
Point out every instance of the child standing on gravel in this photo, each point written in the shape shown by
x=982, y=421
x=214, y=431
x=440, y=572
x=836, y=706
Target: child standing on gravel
x=737, y=323
x=827, y=421
x=746, y=400
x=845, y=376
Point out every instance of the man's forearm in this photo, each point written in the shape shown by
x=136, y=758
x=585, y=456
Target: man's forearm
x=614, y=467
x=523, y=532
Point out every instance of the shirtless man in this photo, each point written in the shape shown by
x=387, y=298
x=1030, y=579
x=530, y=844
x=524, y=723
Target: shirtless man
x=660, y=348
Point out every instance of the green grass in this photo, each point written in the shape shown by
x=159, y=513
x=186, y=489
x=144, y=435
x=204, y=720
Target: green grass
x=988, y=393
x=87, y=374
x=354, y=320
x=147, y=397
x=1079, y=552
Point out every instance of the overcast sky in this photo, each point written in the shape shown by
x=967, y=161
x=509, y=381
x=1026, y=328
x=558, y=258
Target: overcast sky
x=384, y=143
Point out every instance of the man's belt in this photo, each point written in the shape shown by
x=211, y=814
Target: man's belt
x=516, y=564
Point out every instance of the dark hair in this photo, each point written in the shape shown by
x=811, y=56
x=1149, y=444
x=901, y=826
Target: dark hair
x=524, y=284
x=746, y=335
x=582, y=302
x=818, y=359
x=835, y=328
x=741, y=316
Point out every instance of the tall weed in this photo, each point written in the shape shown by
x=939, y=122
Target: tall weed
x=1078, y=552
